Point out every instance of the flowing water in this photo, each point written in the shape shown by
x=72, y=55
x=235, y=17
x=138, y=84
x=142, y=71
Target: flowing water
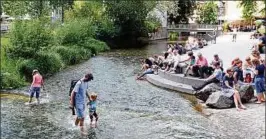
x=127, y=108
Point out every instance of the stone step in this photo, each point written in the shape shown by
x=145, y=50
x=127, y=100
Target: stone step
x=164, y=83
x=179, y=78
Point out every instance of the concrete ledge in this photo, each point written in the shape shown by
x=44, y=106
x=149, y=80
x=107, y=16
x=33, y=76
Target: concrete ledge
x=179, y=78
x=164, y=83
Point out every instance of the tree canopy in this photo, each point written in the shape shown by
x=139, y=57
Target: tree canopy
x=249, y=8
x=207, y=13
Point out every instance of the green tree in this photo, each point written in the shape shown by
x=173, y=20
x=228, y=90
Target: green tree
x=179, y=11
x=207, y=13
x=129, y=17
x=249, y=8
x=14, y=8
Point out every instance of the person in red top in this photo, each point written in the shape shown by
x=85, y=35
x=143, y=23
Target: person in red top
x=36, y=85
x=200, y=67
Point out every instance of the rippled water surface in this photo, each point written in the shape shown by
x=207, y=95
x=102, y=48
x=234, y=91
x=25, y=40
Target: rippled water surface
x=128, y=109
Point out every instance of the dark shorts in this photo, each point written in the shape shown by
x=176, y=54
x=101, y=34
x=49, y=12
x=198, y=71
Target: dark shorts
x=93, y=113
x=259, y=85
x=34, y=90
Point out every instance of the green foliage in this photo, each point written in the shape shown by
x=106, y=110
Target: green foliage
x=173, y=36
x=181, y=10
x=152, y=22
x=129, y=16
x=14, y=8
x=46, y=62
x=74, y=32
x=225, y=27
x=207, y=13
x=86, y=9
x=29, y=37
x=9, y=77
x=249, y=8
x=95, y=46
x=72, y=54
x=25, y=68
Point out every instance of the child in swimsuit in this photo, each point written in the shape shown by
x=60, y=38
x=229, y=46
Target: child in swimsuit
x=92, y=107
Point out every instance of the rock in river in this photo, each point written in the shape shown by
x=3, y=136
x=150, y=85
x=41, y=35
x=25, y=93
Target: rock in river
x=204, y=93
x=217, y=100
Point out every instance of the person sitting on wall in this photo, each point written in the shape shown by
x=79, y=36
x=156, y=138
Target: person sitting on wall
x=200, y=67
x=215, y=60
x=216, y=77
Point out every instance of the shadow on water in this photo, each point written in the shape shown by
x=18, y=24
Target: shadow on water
x=127, y=108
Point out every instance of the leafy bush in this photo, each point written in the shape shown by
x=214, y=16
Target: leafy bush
x=72, y=54
x=11, y=80
x=94, y=45
x=48, y=62
x=45, y=62
x=29, y=37
x=74, y=32
x=173, y=36
x=25, y=68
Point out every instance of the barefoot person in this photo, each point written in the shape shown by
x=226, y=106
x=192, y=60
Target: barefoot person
x=36, y=85
x=229, y=90
x=78, y=97
x=92, y=108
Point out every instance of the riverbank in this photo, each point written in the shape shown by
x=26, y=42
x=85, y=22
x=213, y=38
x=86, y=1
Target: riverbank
x=245, y=124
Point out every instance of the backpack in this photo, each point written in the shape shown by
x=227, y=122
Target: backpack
x=72, y=85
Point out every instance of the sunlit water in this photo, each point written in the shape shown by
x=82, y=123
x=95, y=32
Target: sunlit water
x=127, y=109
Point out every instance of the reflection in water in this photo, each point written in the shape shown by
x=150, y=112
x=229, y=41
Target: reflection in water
x=127, y=108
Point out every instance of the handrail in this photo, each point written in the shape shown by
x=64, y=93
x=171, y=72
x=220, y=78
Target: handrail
x=192, y=26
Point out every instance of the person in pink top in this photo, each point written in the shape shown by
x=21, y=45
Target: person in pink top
x=200, y=67
x=36, y=85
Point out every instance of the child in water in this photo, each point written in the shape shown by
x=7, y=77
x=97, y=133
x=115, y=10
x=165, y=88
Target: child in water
x=92, y=107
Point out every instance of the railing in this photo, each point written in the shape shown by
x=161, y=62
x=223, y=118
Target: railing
x=192, y=26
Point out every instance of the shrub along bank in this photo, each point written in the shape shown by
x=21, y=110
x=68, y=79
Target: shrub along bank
x=34, y=45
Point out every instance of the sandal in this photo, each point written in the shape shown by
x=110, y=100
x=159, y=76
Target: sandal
x=257, y=102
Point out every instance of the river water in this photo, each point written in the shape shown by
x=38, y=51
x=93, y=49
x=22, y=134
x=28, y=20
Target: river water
x=127, y=108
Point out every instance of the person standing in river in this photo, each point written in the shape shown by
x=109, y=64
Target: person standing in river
x=36, y=85
x=78, y=98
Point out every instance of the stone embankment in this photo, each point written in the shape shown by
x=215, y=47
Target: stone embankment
x=248, y=124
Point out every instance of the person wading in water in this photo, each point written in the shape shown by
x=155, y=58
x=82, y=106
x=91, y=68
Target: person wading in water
x=36, y=85
x=78, y=98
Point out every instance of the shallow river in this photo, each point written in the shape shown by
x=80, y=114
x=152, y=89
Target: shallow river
x=128, y=109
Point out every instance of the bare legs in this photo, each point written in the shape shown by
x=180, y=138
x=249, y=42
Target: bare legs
x=237, y=100
x=260, y=97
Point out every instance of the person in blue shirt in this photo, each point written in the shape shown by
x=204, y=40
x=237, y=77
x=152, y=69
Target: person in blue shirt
x=78, y=97
x=229, y=89
x=216, y=77
x=259, y=79
x=92, y=108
